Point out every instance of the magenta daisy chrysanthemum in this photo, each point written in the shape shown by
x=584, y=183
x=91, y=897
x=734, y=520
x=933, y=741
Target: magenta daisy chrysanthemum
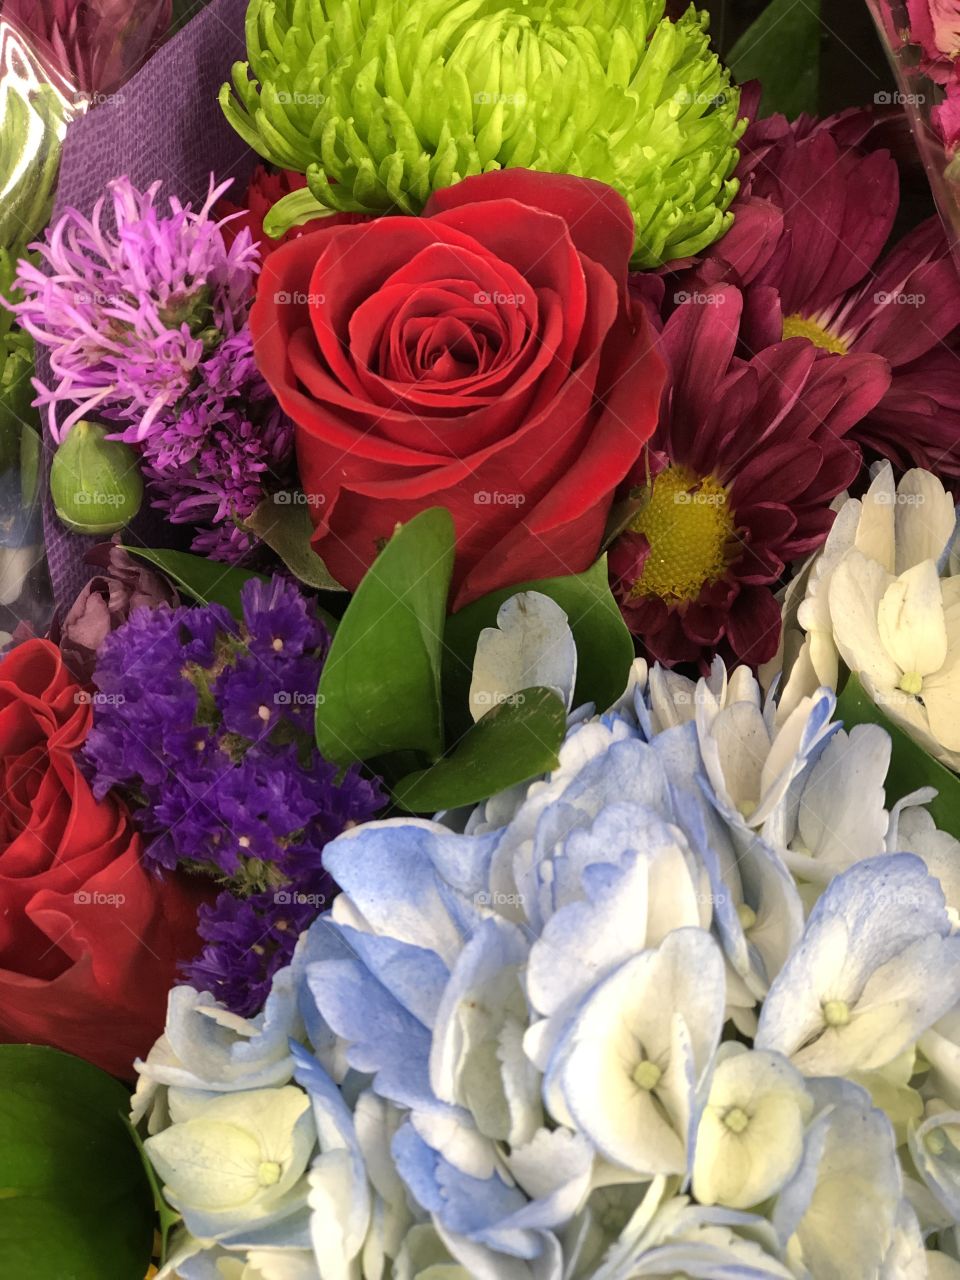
x=745, y=461
x=816, y=214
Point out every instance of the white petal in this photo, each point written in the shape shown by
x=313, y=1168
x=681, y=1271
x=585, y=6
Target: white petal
x=911, y=622
x=856, y=589
x=532, y=644
x=875, y=529
x=925, y=519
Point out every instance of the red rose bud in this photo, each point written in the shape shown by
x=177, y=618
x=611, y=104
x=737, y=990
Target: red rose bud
x=484, y=358
x=89, y=942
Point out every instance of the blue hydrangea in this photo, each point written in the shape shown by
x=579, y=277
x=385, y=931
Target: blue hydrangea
x=597, y=1027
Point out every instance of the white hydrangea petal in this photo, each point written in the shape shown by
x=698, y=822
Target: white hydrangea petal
x=856, y=589
x=875, y=533
x=911, y=623
x=532, y=644
x=925, y=519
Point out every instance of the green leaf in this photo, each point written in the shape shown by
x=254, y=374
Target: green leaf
x=203, y=580
x=75, y=1203
x=167, y=1218
x=604, y=646
x=380, y=688
x=286, y=528
x=515, y=741
x=910, y=766
x=782, y=50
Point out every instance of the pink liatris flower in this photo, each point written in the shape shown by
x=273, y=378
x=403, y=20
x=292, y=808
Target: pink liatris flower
x=96, y=44
x=146, y=325
x=808, y=253
x=743, y=465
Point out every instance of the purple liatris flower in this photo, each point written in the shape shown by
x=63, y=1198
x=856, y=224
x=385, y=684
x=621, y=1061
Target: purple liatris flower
x=146, y=324
x=206, y=724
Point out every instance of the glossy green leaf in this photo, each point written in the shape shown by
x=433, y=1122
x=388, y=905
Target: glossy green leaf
x=286, y=528
x=782, y=50
x=204, y=580
x=604, y=646
x=380, y=688
x=910, y=766
x=515, y=741
x=75, y=1203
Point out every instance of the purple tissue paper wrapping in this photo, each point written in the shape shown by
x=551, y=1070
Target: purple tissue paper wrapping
x=165, y=124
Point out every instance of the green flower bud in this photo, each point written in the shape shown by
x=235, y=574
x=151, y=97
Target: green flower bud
x=95, y=483
x=381, y=102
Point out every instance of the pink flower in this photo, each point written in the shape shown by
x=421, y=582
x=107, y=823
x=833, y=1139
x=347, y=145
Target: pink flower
x=935, y=26
x=946, y=119
x=98, y=44
x=813, y=217
x=743, y=465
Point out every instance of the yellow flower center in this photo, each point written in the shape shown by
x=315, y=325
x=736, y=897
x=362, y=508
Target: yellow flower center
x=736, y=1119
x=268, y=1174
x=797, y=326
x=746, y=915
x=688, y=524
x=935, y=1142
x=911, y=682
x=836, y=1013
x=647, y=1075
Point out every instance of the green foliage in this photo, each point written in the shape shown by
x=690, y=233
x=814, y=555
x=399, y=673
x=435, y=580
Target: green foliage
x=381, y=102
x=782, y=50
x=74, y=1197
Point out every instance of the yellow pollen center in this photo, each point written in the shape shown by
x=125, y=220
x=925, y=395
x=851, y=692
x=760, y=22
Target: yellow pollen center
x=688, y=524
x=647, y=1075
x=836, y=1013
x=268, y=1174
x=736, y=1119
x=746, y=915
x=263, y=712
x=911, y=682
x=277, y=644
x=797, y=326
x=935, y=1142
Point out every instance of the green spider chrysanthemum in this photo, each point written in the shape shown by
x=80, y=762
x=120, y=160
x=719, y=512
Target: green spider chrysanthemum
x=380, y=102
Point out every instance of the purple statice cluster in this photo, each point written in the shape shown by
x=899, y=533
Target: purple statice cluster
x=206, y=724
x=144, y=312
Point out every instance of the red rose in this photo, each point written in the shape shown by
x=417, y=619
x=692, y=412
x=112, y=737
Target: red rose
x=88, y=941
x=484, y=357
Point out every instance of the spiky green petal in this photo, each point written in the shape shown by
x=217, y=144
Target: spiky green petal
x=380, y=102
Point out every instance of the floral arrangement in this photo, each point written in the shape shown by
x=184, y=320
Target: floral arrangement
x=480, y=658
